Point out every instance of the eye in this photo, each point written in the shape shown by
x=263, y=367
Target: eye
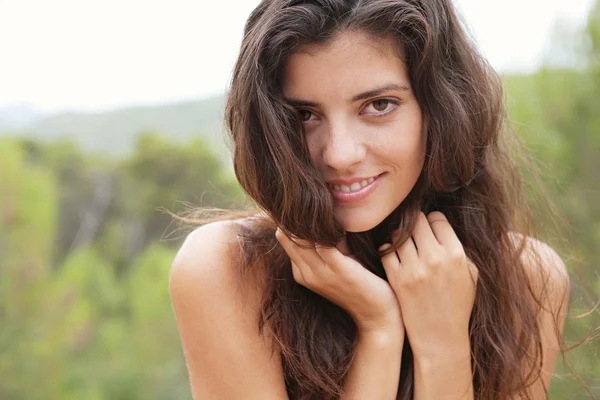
x=304, y=115
x=382, y=106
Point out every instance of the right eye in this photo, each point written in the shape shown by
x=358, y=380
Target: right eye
x=304, y=115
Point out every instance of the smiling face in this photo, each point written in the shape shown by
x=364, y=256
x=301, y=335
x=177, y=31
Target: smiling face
x=363, y=125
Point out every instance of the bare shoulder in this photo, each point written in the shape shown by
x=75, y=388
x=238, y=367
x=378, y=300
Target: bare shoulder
x=551, y=285
x=225, y=354
x=206, y=252
x=543, y=264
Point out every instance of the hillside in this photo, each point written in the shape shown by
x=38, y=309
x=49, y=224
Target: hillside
x=114, y=132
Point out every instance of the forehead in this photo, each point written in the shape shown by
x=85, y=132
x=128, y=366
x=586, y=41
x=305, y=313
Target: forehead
x=347, y=63
x=387, y=45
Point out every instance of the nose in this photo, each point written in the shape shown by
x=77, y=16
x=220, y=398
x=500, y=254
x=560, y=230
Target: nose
x=343, y=147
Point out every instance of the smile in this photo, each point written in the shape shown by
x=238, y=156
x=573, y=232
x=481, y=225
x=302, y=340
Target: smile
x=355, y=187
x=354, y=192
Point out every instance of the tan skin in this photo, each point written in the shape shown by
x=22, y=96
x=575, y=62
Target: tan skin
x=430, y=280
x=227, y=358
x=430, y=294
x=431, y=288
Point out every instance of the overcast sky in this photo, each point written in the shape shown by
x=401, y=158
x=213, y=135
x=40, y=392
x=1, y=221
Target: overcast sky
x=102, y=54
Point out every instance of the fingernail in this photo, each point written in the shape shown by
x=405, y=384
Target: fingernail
x=385, y=247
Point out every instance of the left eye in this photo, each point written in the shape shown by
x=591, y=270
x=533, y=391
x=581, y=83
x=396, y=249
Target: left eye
x=380, y=106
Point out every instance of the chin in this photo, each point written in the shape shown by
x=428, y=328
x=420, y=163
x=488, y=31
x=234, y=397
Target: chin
x=358, y=220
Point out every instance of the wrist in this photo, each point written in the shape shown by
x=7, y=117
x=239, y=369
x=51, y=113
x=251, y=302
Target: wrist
x=383, y=337
x=388, y=324
x=433, y=356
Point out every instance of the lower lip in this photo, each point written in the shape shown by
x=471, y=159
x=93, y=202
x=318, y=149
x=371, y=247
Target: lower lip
x=354, y=197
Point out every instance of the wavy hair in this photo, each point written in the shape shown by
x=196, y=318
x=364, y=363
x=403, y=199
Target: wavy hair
x=469, y=174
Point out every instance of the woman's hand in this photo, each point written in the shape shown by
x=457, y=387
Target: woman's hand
x=368, y=299
x=435, y=284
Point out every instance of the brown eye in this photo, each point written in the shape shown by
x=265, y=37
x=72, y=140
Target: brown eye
x=380, y=105
x=304, y=115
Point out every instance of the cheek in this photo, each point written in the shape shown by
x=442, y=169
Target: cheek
x=315, y=141
x=313, y=147
x=402, y=147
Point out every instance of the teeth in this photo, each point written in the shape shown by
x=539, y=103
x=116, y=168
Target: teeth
x=356, y=186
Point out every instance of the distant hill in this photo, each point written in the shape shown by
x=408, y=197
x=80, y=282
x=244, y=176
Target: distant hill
x=114, y=132
x=18, y=116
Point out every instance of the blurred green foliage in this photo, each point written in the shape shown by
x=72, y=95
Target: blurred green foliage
x=84, y=262
x=85, y=253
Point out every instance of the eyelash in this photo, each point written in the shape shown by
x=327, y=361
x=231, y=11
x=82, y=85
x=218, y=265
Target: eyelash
x=377, y=115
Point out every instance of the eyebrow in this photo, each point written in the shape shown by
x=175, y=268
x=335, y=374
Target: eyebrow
x=361, y=96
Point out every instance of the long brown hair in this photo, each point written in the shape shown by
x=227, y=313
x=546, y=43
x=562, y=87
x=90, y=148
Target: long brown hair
x=469, y=175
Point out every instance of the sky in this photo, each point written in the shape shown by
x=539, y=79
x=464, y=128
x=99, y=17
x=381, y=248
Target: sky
x=92, y=55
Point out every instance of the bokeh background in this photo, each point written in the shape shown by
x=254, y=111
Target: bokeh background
x=111, y=109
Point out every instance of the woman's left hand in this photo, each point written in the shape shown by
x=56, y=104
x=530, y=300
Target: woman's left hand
x=435, y=284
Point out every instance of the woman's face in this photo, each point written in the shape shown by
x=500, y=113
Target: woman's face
x=362, y=123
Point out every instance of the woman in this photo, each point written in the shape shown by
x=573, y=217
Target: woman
x=391, y=257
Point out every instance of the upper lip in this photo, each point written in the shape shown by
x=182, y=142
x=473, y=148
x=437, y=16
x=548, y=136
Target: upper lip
x=349, y=182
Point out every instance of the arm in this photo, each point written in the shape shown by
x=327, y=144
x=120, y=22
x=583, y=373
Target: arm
x=225, y=355
x=370, y=301
x=375, y=369
x=450, y=377
x=555, y=280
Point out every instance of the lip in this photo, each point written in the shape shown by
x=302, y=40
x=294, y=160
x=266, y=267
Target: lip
x=353, y=197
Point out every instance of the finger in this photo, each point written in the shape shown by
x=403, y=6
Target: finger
x=407, y=252
x=442, y=230
x=297, y=273
x=290, y=249
x=424, y=237
x=391, y=262
x=331, y=256
x=309, y=255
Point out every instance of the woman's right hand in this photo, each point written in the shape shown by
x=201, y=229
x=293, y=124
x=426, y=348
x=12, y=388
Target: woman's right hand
x=368, y=299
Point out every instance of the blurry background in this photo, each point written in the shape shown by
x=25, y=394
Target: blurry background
x=111, y=109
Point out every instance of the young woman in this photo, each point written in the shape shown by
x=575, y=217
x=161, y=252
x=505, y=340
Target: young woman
x=390, y=255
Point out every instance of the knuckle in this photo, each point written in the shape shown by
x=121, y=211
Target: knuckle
x=435, y=260
x=419, y=277
x=298, y=278
x=327, y=254
x=456, y=255
x=309, y=279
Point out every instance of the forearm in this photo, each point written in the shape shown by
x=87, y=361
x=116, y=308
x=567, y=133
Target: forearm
x=375, y=369
x=447, y=376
